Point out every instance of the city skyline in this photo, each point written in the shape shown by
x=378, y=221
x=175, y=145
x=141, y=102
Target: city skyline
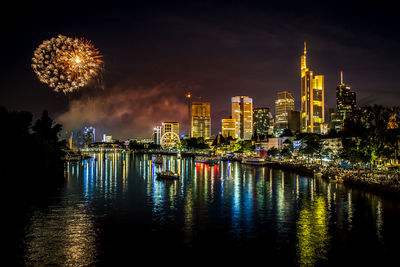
x=213, y=50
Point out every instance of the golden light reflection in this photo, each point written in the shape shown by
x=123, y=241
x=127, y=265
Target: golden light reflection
x=312, y=232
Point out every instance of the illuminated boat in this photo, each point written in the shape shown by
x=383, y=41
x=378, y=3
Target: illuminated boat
x=257, y=161
x=167, y=175
x=209, y=160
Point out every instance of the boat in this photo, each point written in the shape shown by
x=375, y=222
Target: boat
x=167, y=175
x=158, y=159
x=209, y=160
x=257, y=161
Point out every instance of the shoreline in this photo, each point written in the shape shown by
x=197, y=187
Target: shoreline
x=348, y=179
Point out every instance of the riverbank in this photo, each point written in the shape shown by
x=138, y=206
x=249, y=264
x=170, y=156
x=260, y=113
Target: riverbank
x=382, y=183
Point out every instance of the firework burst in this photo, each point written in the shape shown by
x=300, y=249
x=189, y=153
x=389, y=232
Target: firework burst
x=66, y=64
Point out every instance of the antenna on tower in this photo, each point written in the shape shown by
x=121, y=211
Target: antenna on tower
x=305, y=47
x=341, y=77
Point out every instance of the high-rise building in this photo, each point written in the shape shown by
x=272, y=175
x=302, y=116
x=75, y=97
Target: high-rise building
x=294, y=121
x=312, y=98
x=200, y=120
x=283, y=105
x=345, y=99
x=229, y=128
x=170, y=127
x=262, y=121
x=89, y=135
x=242, y=112
x=157, y=135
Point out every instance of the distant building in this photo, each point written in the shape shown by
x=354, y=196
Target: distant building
x=89, y=135
x=242, y=112
x=200, y=116
x=294, y=121
x=335, y=122
x=345, y=99
x=229, y=128
x=157, y=135
x=170, y=127
x=107, y=138
x=262, y=121
x=283, y=104
x=312, y=98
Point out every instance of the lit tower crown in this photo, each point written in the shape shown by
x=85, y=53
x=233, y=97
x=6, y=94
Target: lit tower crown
x=304, y=60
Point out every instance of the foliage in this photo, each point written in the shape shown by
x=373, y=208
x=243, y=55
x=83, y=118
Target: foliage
x=286, y=152
x=371, y=133
x=32, y=159
x=194, y=143
x=311, y=146
x=243, y=146
x=272, y=152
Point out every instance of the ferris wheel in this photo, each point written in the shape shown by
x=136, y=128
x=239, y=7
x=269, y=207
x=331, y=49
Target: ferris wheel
x=170, y=140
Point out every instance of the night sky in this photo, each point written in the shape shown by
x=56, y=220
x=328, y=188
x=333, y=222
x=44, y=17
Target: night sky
x=155, y=52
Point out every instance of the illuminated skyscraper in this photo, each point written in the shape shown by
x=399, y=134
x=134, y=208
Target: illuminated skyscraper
x=262, y=121
x=312, y=98
x=345, y=99
x=229, y=128
x=200, y=120
x=242, y=112
x=170, y=127
x=89, y=135
x=157, y=135
x=283, y=105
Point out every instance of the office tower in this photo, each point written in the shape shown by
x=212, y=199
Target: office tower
x=229, y=128
x=188, y=96
x=262, y=120
x=283, y=105
x=294, y=121
x=312, y=98
x=200, y=120
x=89, y=135
x=345, y=99
x=242, y=112
x=157, y=135
x=170, y=127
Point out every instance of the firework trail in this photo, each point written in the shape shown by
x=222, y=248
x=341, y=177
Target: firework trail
x=66, y=64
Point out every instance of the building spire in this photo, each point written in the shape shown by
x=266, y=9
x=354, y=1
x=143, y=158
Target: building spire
x=341, y=77
x=305, y=48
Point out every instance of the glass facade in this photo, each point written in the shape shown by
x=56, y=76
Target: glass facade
x=200, y=119
x=242, y=112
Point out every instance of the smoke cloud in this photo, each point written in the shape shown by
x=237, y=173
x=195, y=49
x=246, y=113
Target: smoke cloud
x=129, y=112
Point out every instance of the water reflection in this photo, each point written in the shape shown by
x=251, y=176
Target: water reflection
x=312, y=231
x=241, y=204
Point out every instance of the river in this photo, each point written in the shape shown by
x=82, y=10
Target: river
x=112, y=209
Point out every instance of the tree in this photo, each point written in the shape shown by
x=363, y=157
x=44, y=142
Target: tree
x=371, y=133
x=286, y=152
x=311, y=146
x=272, y=152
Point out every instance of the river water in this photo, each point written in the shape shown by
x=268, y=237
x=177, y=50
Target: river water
x=114, y=210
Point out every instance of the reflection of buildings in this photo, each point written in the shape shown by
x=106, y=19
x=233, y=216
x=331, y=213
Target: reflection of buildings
x=312, y=231
x=170, y=127
x=283, y=105
x=200, y=119
x=262, y=121
x=242, y=112
x=229, y=128
x=312, y=98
